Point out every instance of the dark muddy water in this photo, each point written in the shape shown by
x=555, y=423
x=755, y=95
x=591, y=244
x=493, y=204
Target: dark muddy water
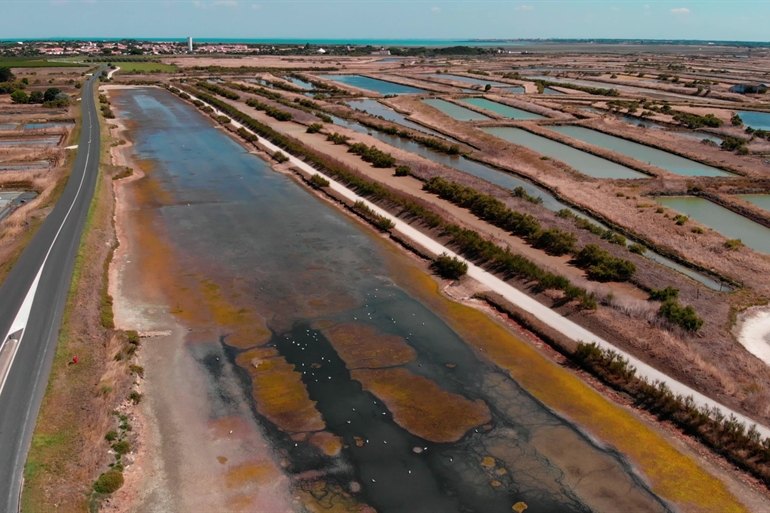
x=302, y=266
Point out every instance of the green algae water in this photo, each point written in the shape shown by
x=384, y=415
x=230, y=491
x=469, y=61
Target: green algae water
x=586, y=163
x=721, y=219
x=455, y=111
x=372, y=84
x=303, y=266
x=760, y=200
x=640, y=152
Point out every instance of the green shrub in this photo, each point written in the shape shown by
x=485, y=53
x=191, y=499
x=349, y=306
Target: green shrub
x=136, y=369
x=555, y=241
x=685, y=317
x=601, y=266
x=449, y=267
x=697, y=229
x=403, y=170
x=280, y=157
x=135, y=397
x=376, y=157
x=271, y=111
x=221, y=91
x=318, y=181
x=614, y=238
x=109, y=482
x=314, y=128
x=121, y=447
x=19, y=96
x=520, y=192
x=337, y=138
x=681, y=219
x=732, y=143
x=664, y=294
x=223, y=120
x=637, y=248
x=111, y=435
x=734, y=244
x=696, y=121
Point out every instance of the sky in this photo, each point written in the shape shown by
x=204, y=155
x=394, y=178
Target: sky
x=744, y=20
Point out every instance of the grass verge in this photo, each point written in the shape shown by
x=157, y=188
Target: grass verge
x=68, y=449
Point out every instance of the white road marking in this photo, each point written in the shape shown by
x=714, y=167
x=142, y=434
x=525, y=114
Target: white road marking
x=22, y=317
x=542, y=312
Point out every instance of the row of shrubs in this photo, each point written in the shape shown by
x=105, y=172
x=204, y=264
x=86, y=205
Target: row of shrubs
x=214, y=88
x=599, y=263
x=468, y=242
x=383, y=223
x=475, y=247
x=372, y=154
x=428, y=142
x=608, y=235
x=600, y=91
x=273, y=112
x=301, y=104
x=726, y=436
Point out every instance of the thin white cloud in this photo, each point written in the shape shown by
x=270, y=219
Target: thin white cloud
x=255, y=6
x=436, y=9
x=226, y=3
x=614, y=9
x=523, y=8
x=681, y=10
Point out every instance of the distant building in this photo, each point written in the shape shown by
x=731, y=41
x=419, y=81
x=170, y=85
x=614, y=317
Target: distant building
x=321, y=51
x=381, y=51
x=749, y=88
x=189, y=45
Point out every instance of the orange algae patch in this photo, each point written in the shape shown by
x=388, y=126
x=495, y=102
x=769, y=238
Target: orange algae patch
x=240, y=503
x=421, y=407
x=250, y=473
x=362, y=347
x=671, y=474
x=330, y=444
x=322, y=497
x=229, y=426
x=279, y=392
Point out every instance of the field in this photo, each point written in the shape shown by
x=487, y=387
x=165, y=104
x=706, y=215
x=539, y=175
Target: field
x=144, y=67
x=38, y=63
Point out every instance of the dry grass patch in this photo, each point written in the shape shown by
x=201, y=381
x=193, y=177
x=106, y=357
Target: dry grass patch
x=421, y=407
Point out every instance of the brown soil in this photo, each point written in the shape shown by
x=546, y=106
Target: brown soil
x=421, y=407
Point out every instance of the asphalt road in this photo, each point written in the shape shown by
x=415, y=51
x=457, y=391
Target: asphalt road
x=32, y=300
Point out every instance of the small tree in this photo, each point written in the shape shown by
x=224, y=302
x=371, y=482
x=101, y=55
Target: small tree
x=19, y=97
x=736, y=120
x=50, y=94
x=6, y=75
x=487, y=87
x=403, y=170
x=449, y=267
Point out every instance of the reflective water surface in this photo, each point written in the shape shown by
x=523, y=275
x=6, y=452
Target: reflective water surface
x=283, y=275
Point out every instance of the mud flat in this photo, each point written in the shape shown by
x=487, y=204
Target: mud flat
x=754, y=332
x=221, y=245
